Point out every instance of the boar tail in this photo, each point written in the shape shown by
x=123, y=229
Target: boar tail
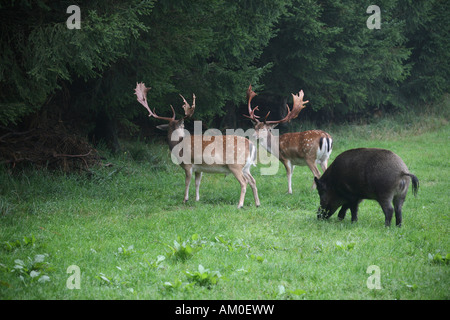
x=414, y=180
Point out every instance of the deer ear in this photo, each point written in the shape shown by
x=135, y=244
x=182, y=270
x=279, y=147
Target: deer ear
x=163, y=127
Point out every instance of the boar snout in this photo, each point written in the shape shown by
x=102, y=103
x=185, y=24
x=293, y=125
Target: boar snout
x=323, y=214
x=320, y=213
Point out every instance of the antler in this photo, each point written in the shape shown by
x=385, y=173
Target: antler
x=141, y=93
x=188, y=110
x=250, y=95
x=287, y=118
x=298, y=105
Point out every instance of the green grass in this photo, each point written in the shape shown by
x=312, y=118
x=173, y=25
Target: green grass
x=117, y=223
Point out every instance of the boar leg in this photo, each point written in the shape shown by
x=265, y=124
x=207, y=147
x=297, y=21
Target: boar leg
x=388, y=211
x=354, y=210
x=341, y=214
x=398, y=204
x=353, y=206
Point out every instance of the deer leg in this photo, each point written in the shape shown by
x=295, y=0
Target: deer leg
x=324, y=165
x=312, y=166
x=198, y=179
x=252, y=183
x=289, y=170
x=237, y=172
x=187, y=182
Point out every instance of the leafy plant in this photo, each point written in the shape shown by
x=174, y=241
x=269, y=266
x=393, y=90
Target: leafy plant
x=204, y=277
x=282, y=293
x=113, y=281
x=257, y=258
x=411, y=287
x=26, y=241
x=177, y=284
x=438, y=258
x=237, y=245
x=185, y=249
x=32, y=269
x=105, y=279
x=125, y=252
x=345, y=247
x=157, y=264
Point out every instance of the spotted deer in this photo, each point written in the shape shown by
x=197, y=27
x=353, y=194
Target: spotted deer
x=213, y=154
x=310, y=148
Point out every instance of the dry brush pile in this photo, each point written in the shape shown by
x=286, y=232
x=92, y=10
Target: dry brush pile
x=52, y=148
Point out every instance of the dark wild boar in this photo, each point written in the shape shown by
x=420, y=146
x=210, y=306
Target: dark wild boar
x=365, y=173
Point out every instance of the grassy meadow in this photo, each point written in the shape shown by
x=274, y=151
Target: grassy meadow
x=125, y=229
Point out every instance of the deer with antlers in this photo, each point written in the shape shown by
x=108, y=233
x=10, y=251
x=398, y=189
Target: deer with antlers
x=198, y=153
x=311, y=148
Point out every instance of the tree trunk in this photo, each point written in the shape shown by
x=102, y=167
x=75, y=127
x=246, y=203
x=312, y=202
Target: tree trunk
x=106, y=131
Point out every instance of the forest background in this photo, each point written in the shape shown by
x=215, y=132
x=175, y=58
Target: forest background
x=81, y=80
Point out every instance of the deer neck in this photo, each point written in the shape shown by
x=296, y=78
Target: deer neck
x=270, y=143
x=174, y=138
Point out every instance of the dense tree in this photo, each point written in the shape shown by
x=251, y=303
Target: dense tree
x=174, y=46
x=215, y=48
x=186, y=50
x=326, y=49
x=39, y=54
x=427, y=30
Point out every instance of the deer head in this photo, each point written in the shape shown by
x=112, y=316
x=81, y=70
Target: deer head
x=264, y=127
x=141, y=92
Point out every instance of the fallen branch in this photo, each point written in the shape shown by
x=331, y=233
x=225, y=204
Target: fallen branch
x=73, y=155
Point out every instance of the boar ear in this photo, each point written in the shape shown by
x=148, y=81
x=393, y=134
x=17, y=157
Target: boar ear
x=318, y=183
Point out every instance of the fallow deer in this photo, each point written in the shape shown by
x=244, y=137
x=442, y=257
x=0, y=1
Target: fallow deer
x=311, y=148
x=198, y=153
